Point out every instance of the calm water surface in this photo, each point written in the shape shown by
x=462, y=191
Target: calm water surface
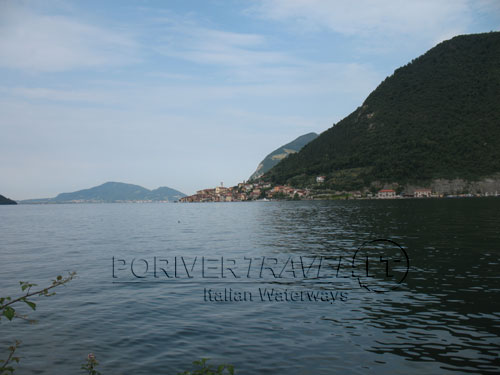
x=444, y=318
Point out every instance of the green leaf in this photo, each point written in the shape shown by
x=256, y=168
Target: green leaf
x=31, y=304
x=9, y=312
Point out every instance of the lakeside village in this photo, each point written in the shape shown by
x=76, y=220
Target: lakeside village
x=264, y=191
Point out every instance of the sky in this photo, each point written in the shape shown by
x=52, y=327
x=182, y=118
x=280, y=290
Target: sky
x=189, y=94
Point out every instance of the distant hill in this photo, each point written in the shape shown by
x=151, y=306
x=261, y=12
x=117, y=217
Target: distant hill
x=4, y=200
x=280, y=153
x=437, y=117
x=114, y=192
x=165, y=193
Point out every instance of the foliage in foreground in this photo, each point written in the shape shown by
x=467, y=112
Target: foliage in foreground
x=90, y=365
x=207, y=369
x=203, y=368
x=8, y=311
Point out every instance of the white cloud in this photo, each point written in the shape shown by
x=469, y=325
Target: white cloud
x=187, y=40
x=488, y=6
x=31, y=40
x=60, y=95
x=273, y=84
x=366, y=17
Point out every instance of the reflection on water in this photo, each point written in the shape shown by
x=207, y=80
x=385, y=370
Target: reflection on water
x=444, y=318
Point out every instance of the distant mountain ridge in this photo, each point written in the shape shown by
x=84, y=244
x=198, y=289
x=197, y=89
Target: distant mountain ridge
x=4, y=200
x=438, y=117
x=111, y=192
x=281, y=153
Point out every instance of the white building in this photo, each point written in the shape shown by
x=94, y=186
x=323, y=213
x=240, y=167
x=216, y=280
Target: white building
x=422, y=193
x=386, y=193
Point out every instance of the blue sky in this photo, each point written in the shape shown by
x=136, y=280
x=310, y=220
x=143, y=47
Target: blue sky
x=189, y=94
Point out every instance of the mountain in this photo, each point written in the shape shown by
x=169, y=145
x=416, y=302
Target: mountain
x=165, y=193
x=4, y=200
x=437, y=117
x=280, y=153
x=114, y=192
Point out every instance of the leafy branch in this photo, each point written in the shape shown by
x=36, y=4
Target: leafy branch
x=6, y=368
x=8, y=311
x=5, y=302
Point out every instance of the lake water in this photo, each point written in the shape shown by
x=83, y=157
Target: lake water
x=443, y=318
